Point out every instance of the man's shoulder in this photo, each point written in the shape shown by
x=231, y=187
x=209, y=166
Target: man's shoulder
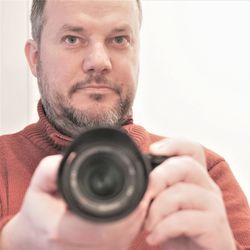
x=142, y=137
x=15, y=136
x=213, y=158
x=9, y=139
x=15, y=140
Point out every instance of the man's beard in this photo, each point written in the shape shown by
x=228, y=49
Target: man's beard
x=71, y=121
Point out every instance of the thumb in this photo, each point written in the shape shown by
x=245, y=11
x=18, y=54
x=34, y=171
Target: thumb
x=45, y=176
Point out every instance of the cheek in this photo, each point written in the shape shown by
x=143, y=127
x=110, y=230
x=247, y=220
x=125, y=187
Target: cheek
x=131, y=79
x=128, y=86
x=61, y=70
x=128, y=73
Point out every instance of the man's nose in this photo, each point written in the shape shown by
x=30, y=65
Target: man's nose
x=97, y=60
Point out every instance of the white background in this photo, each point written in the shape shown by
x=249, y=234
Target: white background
x=195, y=74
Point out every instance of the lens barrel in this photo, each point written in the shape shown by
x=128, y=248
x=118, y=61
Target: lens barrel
x=103, y=176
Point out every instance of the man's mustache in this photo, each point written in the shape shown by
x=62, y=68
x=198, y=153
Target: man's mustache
x=95, y=79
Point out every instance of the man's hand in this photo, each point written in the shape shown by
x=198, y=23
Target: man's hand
x=44, y=221
x=187, y=211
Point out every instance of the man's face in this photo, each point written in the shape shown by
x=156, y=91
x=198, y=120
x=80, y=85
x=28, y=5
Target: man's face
x=88, y=62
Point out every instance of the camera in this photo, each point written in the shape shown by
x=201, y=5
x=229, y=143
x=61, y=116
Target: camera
x=103, y=175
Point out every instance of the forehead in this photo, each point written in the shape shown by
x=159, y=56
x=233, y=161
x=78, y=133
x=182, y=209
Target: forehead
x=104, y=13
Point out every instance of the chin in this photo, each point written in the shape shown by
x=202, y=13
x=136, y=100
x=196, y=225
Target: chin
x=96, y=106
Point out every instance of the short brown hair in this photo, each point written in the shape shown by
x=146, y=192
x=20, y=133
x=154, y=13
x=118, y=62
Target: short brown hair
x=38, y=20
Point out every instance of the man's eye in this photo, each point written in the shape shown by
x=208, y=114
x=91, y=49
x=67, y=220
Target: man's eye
x=121, y=41
x=71, y=40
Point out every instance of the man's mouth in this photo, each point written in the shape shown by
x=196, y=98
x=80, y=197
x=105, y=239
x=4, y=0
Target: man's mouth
x=97, y=88
x=92, y=88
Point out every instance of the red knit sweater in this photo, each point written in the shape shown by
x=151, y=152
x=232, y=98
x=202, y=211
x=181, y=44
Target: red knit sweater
x=20, y=153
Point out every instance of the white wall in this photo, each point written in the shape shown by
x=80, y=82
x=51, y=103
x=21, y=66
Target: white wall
x=13, y=69
x=195, y=74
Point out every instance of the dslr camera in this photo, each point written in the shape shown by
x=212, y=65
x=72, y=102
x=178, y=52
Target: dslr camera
x=103, y=175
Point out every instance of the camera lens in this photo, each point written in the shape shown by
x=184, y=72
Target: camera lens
x=102, y=178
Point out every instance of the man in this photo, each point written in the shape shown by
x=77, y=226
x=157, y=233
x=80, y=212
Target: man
x=85, y=57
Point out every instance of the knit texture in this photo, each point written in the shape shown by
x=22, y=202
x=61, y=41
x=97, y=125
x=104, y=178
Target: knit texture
x=21, y=152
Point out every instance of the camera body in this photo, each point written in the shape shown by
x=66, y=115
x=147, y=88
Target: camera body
x=103, y=175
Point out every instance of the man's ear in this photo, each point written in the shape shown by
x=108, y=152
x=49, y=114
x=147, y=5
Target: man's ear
x=31, y=52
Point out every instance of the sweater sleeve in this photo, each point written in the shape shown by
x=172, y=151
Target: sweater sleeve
x=235, y=201
x=4, y=218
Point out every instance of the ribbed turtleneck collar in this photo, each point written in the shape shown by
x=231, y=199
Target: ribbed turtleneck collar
x=50, y=134
x=54, y=137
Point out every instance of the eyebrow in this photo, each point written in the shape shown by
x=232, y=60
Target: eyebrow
x=121, y=29
x=77, y=29
x=80, y=29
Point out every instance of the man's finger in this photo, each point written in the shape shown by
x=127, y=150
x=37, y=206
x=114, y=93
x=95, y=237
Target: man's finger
x=191, y=224
x=45, y=176
x=179, y=169
x=182, y=196
x=179, y=147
